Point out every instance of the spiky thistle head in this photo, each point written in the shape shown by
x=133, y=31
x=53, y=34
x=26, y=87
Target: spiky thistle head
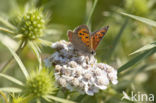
x=17, y=99
x=40, y=83
x=32, y=24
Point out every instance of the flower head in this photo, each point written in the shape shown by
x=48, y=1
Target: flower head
x=40, y=83
x=78, y=72
x=32, y=24
x=17, y=99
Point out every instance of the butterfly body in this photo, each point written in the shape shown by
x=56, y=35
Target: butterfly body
x=85, y=41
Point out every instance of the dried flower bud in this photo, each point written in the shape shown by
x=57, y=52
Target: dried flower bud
x=62, y=82
x=73, y=64
x=75, y=82
x=58, y=68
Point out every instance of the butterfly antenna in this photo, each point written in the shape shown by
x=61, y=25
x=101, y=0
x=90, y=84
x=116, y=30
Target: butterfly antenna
x=107, y=27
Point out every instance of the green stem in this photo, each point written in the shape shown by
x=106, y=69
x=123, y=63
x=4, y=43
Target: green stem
x=4, y=97
x=20, y=48
x=118, y=37
x=91, y=13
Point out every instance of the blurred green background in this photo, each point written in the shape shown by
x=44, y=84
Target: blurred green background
x=68, y=14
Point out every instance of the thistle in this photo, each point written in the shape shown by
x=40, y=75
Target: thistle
x=40, y=83
x=32, y=24
x=30, y=28
x=17, y=99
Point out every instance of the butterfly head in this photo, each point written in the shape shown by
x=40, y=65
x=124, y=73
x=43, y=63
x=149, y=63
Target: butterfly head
x=92, y=52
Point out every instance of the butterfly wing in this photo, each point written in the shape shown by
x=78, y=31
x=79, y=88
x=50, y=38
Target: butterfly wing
x=70, y=34
x=80, y=38
x=97, y=36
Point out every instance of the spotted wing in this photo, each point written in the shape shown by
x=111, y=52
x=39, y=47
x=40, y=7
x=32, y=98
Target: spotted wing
x=83, y=34
x=97, y=36
x=80, y=38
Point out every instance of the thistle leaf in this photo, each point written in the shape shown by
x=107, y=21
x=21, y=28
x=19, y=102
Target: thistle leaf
x=146, y=47
x=59, y=99
x=36, y=51
x=11, y=90
x=137, y=59
x=141, y=19
x=6, y=23
x=18, y=60
x=14, y=80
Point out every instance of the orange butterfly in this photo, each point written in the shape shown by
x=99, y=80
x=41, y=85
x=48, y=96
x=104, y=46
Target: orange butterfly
x=85, y=41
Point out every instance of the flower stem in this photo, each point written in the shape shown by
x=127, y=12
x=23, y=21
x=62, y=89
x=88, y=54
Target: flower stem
x=4, y=97
x=20, y=48
x=91, y=13
x=117, y=39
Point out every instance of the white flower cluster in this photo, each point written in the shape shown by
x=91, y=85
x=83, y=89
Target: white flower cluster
x=78, y=72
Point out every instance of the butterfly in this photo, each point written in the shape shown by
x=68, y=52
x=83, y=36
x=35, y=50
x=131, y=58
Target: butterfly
x=85, y=41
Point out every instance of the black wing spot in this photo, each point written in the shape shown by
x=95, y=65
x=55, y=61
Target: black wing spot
x=100, y=37
x=103, y=32
x=85, y=32
x=81, y=34
x=86, y=37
